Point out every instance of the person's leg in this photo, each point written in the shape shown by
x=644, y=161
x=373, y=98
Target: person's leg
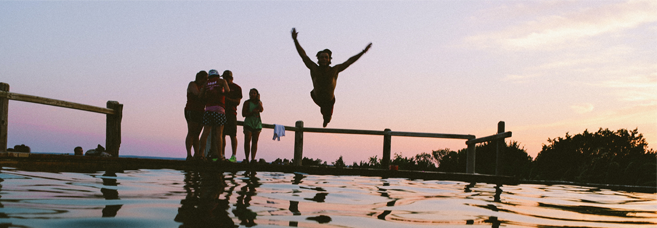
x=247, y=144
x=189, y=140
x=233, y=144
x=196, y=122
x=195, y=133
x=230, y=129
x=204, y=139
x=327, y=113
x=254, y=145
x=326, y=108
x=220, y=142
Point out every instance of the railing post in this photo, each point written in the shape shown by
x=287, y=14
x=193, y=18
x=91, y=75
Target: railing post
x=387, y=141
x=4, y=117
x=470, y=165
x=298, y=143
x=499, y=147
x=113, y=128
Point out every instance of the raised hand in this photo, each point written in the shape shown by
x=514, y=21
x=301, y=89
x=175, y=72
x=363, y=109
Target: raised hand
x=294, y=33
x=367, y=48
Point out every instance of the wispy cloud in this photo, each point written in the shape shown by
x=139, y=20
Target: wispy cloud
x=637, y=88
x=554, y=31
x=582, y=108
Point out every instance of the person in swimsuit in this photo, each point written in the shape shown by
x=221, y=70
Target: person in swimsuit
x=194, y=113
x=324, y=76
x=214, y=117
x=252, y=124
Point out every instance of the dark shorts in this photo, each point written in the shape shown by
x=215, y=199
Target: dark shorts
x=248, y=129
x=230, y=128
x=326, y=106
x=194, y=116
x=214, y=119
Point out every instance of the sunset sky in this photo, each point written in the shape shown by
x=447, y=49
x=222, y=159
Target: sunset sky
x=543, y=67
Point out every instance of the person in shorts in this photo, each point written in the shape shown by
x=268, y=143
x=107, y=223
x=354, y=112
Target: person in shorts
x=233, y=99
x=214, y=116
x=324, y=76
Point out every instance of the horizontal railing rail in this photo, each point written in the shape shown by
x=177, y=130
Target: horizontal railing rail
x=371, y=132
x=114, y=113
x=54, y=102
x=387, y=135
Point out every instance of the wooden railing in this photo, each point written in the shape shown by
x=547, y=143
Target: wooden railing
x=114, y=113
x=387, y=134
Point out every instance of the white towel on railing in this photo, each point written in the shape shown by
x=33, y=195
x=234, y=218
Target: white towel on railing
x=279, y=130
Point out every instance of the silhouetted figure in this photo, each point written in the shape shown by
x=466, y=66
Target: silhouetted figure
x=233, y=99
x=98, y=152
x=324, y=76
x=78, y=151
x=214, y=117
x=252, y=124
x=194, y=110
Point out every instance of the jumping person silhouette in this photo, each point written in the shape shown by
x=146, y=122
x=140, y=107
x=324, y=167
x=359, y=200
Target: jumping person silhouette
x=324, y=76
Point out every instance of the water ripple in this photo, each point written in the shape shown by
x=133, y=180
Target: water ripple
x=173, y=198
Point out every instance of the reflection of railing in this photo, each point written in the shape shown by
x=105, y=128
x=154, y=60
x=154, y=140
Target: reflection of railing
x=114, y=112
x=387, y=138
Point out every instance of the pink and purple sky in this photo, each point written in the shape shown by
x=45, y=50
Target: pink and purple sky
x=543, y=67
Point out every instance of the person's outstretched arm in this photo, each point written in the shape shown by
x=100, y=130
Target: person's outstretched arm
x=306, y=60
x=341, y=67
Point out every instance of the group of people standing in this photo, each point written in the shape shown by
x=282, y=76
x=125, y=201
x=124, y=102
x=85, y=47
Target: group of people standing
x=212, y=102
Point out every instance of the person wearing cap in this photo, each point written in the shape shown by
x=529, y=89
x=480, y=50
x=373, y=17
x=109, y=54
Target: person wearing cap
x=194, y=110
x=324, y=76
x=233, y=99
x=214, y=116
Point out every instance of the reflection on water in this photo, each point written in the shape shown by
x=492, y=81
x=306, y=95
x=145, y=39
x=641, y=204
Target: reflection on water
x=110, y=193
x=205, y=203
x=173, y=198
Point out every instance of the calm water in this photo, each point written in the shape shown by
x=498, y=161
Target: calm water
x=173, y=198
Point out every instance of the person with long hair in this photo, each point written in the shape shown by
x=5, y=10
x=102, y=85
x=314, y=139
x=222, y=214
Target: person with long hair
x=252, y=124
x=194, y=113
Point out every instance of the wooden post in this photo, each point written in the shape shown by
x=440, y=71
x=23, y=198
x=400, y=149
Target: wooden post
x=499, y=147
x=113, y=128
x=4, y=117
x=387, y=141
x=298, y=143
x=470, y=165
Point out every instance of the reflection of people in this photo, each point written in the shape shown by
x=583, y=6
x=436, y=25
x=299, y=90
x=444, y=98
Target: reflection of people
x=233, y=99
x=242, y=211
x=78, y=151
x=194, y=113
x=214, y=116
x=252, y=124
x=324, y=76
x=203, y=207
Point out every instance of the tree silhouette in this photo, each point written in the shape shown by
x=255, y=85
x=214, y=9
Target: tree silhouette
x=610, y=157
